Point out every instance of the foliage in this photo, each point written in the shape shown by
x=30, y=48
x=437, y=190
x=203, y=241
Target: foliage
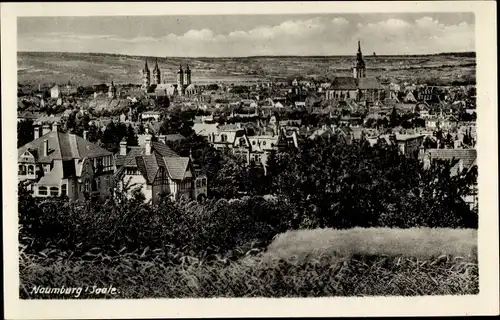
x=25, y=132
x=130, y=224
x=370, y=186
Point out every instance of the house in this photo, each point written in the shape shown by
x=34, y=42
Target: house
x=225, y=136
x=62, y=164
x=55, y=92
x=58, y=91
x=171, y=137
x=300, y=104
x=410, y=144
x=288, y=139
x=151, y=116
x=48, y=119
x=409, y=97
x=431, y=123
x=27, y=115
x=422, y=108
x=156, y=170
x=205, y=129
x=255, y=149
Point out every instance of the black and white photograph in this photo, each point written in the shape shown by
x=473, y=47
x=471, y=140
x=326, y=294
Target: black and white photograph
x=307, y=154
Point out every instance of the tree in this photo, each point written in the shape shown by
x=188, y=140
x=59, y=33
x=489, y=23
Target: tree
x=141, y=129
x=132, y=139
x=25, y=132
x=394, y=118
x=367, y=186
x=178, y=122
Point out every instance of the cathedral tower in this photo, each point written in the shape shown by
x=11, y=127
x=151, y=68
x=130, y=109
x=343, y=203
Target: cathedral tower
x=156, y=73
x=180, y=81
x=187, y=76
x=145, y=76
x=358, y=69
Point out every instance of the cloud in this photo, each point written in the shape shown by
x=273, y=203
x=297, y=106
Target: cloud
x=316, y=36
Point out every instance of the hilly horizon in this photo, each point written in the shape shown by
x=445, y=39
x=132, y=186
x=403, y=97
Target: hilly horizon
x=92, y=68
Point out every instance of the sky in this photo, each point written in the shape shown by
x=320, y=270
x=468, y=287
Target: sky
x=250, y=35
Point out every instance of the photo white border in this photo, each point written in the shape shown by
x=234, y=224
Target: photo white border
x=486, y=302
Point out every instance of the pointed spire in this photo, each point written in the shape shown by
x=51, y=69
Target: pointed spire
x=146, y=69
x=156, y=64
x=359, y=46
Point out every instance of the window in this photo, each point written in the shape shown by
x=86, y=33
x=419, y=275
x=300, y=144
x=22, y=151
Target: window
x=198, y=183
x=42, y=191
x=263, y=143
x=31, y=170
x=203, y=182
x=54, y=191
x=253, y=142
x=46, y=168
x=87, y=185
x=22, y=170
x=98, y=183
x=64, y=190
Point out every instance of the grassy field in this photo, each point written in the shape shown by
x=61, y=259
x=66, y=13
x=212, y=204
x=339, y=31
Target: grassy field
x=420, y=243
x=88, y=69
x=366, y=262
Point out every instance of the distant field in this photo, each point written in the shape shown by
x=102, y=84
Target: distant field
x=86, y=69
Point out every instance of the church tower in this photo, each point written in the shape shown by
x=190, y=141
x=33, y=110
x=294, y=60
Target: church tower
x=358, y=69
x=112, y=91
x=156, y=73
x=145, y=76
x=180, y=81
x=187, y=76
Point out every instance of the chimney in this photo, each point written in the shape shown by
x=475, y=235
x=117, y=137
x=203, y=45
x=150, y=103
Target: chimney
x=123, y=147
x=147, y=143
x=54, y=126
x=45, y=129
x=45, y=147
x=36, y=129
x=85, y=132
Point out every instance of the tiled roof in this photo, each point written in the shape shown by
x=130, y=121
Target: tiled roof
x=64, y=146
x=349, y=83
x=176, y=166
x=174, y=137
x=148, y=166
x=468, y=156
x=48, y=119
x=369, y=83
x=163, y=149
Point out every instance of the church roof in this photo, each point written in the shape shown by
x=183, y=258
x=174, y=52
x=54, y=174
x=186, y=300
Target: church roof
x=349, y=83
x=344, y=83
x=369, y=83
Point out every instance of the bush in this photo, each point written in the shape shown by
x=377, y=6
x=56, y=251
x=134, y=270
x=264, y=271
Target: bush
x=121, y=223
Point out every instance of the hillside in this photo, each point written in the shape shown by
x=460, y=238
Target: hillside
x=89, y=68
